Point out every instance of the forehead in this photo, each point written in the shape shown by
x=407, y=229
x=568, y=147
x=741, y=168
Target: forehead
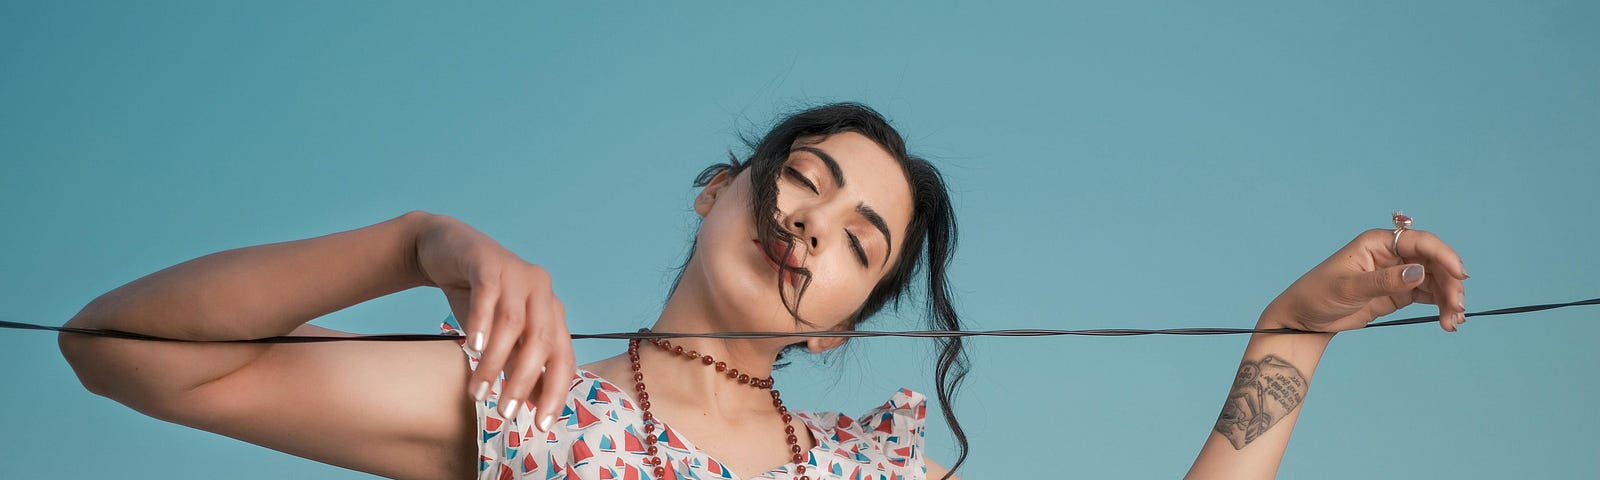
x=872, y=175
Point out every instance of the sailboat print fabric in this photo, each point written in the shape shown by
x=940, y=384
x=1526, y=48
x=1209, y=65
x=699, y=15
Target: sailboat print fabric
x=600, y=436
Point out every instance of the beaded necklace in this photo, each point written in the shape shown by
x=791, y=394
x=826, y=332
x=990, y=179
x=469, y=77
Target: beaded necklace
x=656, y=460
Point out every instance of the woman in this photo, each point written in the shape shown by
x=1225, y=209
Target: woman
x=827, y=221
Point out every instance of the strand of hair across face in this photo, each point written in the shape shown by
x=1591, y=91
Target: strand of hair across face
x=1102, y=332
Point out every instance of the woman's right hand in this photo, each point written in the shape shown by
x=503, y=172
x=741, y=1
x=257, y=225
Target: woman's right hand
x=510, y=313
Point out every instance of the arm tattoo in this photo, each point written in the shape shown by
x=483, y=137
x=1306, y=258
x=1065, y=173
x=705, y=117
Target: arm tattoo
x=1264, y=392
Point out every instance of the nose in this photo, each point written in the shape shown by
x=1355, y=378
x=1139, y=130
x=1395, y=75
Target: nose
x=809, y=225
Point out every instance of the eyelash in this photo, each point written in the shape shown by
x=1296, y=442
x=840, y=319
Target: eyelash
x=855, y=243
x=795, y=174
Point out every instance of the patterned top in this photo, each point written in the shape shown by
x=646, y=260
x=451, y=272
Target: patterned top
x=599, y=436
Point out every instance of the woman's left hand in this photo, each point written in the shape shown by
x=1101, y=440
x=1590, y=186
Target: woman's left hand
x=1368, y=279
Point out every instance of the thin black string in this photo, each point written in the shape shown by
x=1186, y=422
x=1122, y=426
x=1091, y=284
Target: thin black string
x=1103, y=332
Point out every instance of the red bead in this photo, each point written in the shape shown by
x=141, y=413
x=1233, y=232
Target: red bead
x=644, y=404
x=721, y=366
x=774, y=394
x=652, y=450
x=797, y=458
x=644, y=396
x=789, y=429
x=651, y=417
x=733, y=373
x=783, y=410
x=800, y=469
x=639, y=386
x=638, y=376
x=654, y=461
x=661, y=472
x=787, y=418
x=744, y=378
x=803, y=477
x=777, y=403
x=649, y=428
x=706, y=360
x=635, y=365
x=793, y=439
x=795, y=449
x=677, y=350
x=651, y=439
x=693, y=354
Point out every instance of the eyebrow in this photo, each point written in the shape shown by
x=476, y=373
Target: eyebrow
x=877, y=221
x=833, y=167
x=865, y=210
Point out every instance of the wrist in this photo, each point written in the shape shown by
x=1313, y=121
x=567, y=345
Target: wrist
x=1271, y=320
x=420, y=228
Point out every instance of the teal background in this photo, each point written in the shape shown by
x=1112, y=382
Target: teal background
x=1114, y=164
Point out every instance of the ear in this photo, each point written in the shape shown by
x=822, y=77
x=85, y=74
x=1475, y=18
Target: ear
x=823, y=344
x=708, y=195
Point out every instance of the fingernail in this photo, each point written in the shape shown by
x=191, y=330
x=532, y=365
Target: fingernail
x=508, y=409
x=478, y=393
x=478, y=342
x=544, y=423
x=1412, y=273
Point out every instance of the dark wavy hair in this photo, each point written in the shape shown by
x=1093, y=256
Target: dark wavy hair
x=933, y=225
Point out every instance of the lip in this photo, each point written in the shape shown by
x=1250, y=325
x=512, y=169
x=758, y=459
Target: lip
x=777, y=250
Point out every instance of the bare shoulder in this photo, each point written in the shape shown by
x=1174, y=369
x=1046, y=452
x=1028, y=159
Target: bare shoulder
x=937, y=471
x=396, y=409
x=615, y=369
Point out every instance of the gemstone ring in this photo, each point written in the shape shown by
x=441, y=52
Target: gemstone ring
x=1401, y=224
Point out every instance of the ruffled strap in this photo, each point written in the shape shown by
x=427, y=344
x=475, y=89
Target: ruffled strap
x=898, y=426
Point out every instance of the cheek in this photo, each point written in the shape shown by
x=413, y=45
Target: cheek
x=833, y=298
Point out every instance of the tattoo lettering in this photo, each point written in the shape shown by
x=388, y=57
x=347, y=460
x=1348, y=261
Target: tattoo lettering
x=1264, y=392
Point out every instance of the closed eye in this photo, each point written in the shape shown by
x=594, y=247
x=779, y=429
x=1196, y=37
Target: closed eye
x=798, y=177
x=855, y=244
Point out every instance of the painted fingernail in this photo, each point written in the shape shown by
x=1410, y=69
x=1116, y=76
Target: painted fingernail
x=482, y=390
x=478, y=342
x=1412, y=273
x=544, y=423
x=508, y=408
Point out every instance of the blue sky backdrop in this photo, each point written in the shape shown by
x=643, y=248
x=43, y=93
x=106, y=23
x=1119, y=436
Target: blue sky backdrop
x=1114, y=164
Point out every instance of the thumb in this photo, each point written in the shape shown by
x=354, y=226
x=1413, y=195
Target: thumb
x=1385, y=281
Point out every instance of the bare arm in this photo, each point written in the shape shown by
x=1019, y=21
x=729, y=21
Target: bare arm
x=1364, y=280
x=395, y=409
x=1253, y=429
x=252, y=292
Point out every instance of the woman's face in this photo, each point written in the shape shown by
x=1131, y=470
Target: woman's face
x=846, y=201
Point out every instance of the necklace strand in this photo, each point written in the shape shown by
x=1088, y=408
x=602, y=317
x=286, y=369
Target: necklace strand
x=657, y=461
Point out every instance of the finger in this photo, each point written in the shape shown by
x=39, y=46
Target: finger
x=1450, y=293
x=508, y=325
x=1418, y=295
x=1428, y=248
x=479, y=314
x=479, y=324
x=1382, y=282
x=560, y=367
x=522, y=372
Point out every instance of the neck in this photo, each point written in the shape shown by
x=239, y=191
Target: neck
x=682, y=378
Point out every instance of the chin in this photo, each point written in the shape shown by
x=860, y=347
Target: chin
x=743, y=294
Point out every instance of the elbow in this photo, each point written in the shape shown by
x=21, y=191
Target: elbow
x=82, y=353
